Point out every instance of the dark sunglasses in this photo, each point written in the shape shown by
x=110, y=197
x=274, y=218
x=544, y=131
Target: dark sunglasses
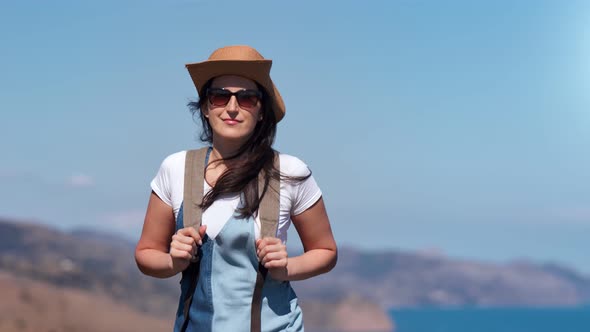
x=247, y=99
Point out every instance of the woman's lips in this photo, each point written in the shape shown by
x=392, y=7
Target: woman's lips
x=231, y=121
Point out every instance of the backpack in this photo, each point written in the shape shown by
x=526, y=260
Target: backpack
x=268, y=211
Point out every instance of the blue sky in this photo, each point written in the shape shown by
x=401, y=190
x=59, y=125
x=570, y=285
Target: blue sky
x=459, y=127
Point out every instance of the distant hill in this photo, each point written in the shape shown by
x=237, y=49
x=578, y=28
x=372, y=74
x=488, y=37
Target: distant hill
x=103, y=262
x=98, y=267
x=32, y=306
x=405, y=279
x=98, y=264
x=363, y=283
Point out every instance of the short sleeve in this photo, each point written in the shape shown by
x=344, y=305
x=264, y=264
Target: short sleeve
x=302, y=194
x=161, y=184
x=308, y=194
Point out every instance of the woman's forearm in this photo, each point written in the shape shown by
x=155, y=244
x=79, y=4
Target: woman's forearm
x=155, y=263
x=311, y=263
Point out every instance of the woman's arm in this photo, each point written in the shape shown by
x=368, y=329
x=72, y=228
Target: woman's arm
x=320, y=253
x=160, y=253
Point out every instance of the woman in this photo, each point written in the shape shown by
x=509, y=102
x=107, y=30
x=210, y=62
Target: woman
x=240, y=280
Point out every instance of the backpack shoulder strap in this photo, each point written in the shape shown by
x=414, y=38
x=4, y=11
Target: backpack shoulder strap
x=194, y=175
x=269, y=221
x=270, y=203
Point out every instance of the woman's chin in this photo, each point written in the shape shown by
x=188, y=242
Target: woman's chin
x=233, y=136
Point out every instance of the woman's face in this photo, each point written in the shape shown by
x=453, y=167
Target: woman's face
x=236, y=118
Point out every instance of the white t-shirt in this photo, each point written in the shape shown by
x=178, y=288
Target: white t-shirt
x=295, y=198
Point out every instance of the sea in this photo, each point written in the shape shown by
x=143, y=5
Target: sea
x=493, y=320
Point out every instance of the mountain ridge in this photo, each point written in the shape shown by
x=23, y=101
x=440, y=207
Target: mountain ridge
x=391, y=278
x=90, y=265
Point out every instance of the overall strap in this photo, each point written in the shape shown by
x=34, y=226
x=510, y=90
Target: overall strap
x=194, y=175
x=268, y=211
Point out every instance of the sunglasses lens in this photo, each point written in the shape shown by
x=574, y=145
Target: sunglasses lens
x=248, y=99
x=219, y=97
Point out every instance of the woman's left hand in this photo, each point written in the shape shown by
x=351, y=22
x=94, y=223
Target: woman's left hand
x=272, y=254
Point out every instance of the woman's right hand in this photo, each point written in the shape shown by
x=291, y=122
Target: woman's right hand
x=184, y=246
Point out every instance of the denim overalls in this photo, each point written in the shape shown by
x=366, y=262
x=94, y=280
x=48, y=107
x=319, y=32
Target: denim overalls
x=223, y=295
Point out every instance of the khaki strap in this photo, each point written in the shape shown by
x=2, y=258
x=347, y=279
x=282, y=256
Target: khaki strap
x=269, y=205
x=194, y=177
x=269, y=220
x=256, y=307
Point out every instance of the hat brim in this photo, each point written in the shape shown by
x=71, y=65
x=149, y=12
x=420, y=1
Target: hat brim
x=256, y=70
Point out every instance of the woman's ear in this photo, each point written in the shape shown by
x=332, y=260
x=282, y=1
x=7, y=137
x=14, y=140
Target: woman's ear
x=205, y=111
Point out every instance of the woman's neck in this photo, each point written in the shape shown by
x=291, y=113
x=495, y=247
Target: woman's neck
x=224, y=147
x=217, y=165
x=223, y=151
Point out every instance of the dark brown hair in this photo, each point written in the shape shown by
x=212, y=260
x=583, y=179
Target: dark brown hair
x=256, y=155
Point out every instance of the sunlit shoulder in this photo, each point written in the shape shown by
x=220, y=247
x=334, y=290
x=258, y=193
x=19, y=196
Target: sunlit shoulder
x=293, y=166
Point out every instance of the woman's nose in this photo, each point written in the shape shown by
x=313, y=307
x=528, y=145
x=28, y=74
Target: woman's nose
x=232, y=105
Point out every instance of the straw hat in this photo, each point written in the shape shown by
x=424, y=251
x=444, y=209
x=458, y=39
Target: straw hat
x=242, y=61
